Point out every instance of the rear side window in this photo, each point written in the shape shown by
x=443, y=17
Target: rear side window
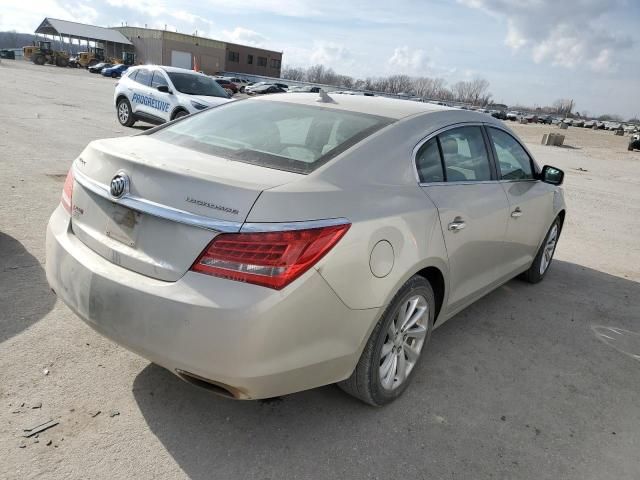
x=285, y=136
x=513, y=161
x=144, y=77
x=158, y=79
x=464, y=154
x=429, y=163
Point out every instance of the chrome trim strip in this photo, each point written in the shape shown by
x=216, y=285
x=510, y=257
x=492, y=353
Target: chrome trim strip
x=288, y=226
x=155, y=209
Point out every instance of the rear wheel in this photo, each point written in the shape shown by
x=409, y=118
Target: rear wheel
x=395, y=346
x=124, y=113
x=114, y=75
x=62, y=62
x=543, y=259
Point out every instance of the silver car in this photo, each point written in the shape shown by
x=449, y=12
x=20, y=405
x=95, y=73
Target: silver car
x=280, y=243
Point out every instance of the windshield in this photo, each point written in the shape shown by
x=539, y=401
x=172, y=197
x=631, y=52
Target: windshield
x=285, y=136
x=196, y=84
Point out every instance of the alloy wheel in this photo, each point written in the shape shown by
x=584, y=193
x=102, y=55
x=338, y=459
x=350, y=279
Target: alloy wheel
x=404, y=341
x=549, y=248
x=123, y=112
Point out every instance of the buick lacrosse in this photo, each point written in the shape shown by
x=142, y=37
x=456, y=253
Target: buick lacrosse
x=280, y=243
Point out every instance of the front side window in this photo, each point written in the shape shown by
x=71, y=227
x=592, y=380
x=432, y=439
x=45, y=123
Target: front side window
x=196, y=84
x=158, y=79
x=285, y=136
x=465, y=155
x=513, y=161
x=144, y=77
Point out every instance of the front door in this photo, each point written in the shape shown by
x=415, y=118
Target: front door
x=456, y=173
x=530, y=201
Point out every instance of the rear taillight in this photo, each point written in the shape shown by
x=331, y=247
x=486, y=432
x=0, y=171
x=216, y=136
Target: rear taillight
x=67, y=192
x=270, y=259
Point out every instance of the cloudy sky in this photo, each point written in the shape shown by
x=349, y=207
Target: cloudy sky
x=531, y=51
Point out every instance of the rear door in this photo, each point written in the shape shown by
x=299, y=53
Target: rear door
x=141, y=90
x=456, y=172
x=530, y=200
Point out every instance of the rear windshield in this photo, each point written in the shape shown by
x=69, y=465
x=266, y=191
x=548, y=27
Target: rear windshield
x=285, y=136
x=196, y=84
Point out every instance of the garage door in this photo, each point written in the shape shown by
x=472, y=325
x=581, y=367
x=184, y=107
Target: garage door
x=180, y=59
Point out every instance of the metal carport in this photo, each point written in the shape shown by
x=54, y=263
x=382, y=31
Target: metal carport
x=113, y=42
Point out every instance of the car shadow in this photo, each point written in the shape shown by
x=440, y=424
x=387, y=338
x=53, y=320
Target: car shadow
x=25, y=296
x=520, y=369
x=142, y=128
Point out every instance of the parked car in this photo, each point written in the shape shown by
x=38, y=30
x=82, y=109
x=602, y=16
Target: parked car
x=157, y=94
x=230, y=87
x=248, y=88
x=634, y=144
x=500, y=114
x=97, y=68
x=234, y=249
x=240, y=83
x=589, y=123
x=265, y=89
x=545, y=119
x=304, y=89
x=600, y=125
x=531, y=118
x=568, y=121
x=514, y=116
x=116, y=71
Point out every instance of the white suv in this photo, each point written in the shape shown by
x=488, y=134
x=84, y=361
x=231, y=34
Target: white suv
x=157, y=94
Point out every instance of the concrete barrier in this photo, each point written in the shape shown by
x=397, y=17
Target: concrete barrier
x=553, y=139
x=563, y=126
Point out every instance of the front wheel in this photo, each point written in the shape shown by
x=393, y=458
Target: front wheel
x=125, y=115
x=542, y=261
x=180, y=114
x=394, y=348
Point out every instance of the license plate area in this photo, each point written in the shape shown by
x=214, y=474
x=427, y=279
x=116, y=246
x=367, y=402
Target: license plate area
x=123, y=225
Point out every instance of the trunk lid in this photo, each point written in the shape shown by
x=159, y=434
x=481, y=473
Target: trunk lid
x=176, y=188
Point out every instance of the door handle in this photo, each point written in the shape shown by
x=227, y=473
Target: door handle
x=457, y=224
x=516, y=213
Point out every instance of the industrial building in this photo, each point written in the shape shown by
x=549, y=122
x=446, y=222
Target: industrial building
x=163, y=47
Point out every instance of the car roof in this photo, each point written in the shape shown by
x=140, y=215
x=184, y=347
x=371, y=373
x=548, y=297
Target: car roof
x=381, y=106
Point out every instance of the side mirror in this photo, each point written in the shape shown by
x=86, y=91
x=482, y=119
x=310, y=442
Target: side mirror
x=552, y=175
x=163, y=88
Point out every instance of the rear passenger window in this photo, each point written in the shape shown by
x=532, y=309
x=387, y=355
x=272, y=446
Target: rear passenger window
x=158, y=79
x=144, y=77
x=465, y=155
x=428, y=162
x=513, y=161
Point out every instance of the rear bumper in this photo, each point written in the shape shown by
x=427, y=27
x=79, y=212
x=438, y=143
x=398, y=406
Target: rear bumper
x=253, y=341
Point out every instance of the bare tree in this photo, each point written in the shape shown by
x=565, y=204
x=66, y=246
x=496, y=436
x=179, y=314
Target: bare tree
x=293, y=73
x=564, y=106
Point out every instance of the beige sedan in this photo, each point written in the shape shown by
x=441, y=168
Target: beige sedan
x=280, y=243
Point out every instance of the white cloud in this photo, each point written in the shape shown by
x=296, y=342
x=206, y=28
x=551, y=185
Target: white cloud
x=244, y=36
x=328, y=54
x=562, y=33
x=408, y=61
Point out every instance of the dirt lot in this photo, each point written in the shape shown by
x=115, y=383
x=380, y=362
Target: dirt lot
x=517, y=386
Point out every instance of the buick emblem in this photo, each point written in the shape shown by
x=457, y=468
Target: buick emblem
x=119, y=185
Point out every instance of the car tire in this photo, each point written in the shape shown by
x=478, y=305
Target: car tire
x=125, y=113
x=544, y=257
x=114, y=75
x=368, y=381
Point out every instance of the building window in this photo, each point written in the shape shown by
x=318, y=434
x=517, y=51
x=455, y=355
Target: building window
x=262, y=61
x=275, y=63
x=250, y=59
x=233, y=56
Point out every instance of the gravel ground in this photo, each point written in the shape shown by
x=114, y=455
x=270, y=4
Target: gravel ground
x=519, y=385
